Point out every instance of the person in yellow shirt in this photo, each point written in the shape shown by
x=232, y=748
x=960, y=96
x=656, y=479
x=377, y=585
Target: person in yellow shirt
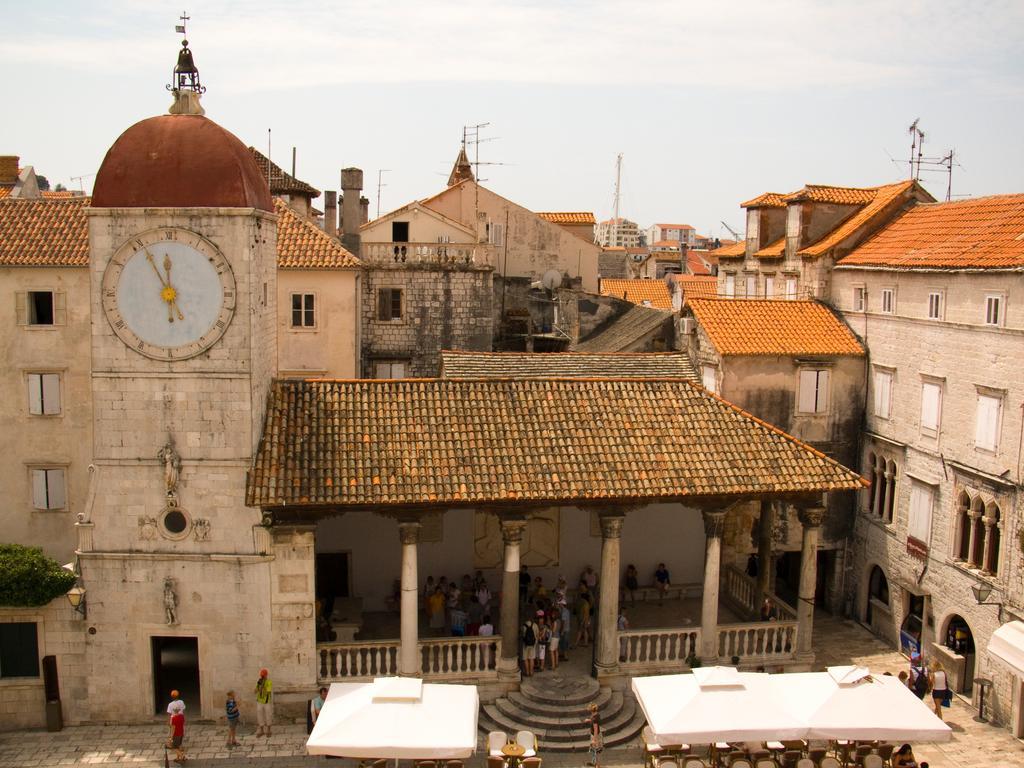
x=264, y=704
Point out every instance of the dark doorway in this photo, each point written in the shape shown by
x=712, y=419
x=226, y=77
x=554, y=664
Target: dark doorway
x=913, y=625
x=960, y=640
x=176, y=667
x=400, y=231
x=825, y=568
x=332, y=569
x=787, y=576
x=878, y=589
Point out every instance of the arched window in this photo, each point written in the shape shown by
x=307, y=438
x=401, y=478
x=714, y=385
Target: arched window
x=878, y=586
x=875, y=485
x=963, y=526
x=992, y=539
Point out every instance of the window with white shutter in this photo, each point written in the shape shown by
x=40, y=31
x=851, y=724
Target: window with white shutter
x=709, y=378
x=883, y=393
x=813, y=392
x=986, y=433
x=791, y=288
x=751, y=286
x=994, y=309
x=730, y=286
x=935, y=305
x=859, y=293
x=48, y=490
x=920, y=524
x=931, y=406
x=44, y=394
x=769, y=287
x=888, y=301
x=389, y=369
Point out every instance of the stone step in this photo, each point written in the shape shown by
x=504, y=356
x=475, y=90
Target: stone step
x=627, y=733
x=552, y=718
x=554, y=688
x=566, y=731
x=534, y=707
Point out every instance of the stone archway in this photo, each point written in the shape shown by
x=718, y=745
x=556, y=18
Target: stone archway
x=877, y=606
x=958, y=652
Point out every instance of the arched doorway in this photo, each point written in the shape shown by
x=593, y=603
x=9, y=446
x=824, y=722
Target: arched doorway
x=959, y=639
x=877, y=610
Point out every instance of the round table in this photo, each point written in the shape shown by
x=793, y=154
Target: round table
x=514, y=752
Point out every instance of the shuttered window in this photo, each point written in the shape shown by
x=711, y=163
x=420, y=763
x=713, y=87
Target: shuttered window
x=48, y=490
x=791, y=288
x=751, y=286
x=883, y=394
x=920, y=523
x=41, y=308
x=986, y=434
x=994, y=309
x=858, y=298
x=730, y=286
x=389, y=370
x=888, y=301
x=709, y=378
x=931, y=406
x=389, y=304
x=935, y=305
x=813, y=394
x=769, y=287
x=44, y=394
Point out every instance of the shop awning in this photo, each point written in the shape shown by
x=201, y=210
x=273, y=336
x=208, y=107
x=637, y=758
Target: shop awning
x=1007, y=646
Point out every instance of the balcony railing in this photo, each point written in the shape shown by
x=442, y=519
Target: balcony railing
x=658, y=650
x=465, y=254
x=446, y=658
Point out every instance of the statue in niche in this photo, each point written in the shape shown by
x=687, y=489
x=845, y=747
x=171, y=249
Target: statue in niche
x=170, y=601
x=201, y=526
x=172, y=466
x=147, y=528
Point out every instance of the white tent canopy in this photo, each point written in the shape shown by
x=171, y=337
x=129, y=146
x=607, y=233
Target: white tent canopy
x=850, y=703
x=399, y=718
x=714, y=704
x=1007, y=646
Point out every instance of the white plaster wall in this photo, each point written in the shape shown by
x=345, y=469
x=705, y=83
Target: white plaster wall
x=329, y=348
x=668, y=533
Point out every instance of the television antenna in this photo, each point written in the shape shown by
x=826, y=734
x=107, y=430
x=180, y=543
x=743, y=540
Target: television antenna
x=618, y=189
x=471, y=138
x=79, y=179
x=380, y=184
x=920, y=163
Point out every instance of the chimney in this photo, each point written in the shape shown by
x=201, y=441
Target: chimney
x=351, y=186
x=9, y=169
x=331, y=212
x=364, y=210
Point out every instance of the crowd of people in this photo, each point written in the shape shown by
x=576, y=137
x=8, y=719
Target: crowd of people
x=459, y=608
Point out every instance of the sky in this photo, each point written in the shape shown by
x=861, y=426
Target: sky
x=710, y=103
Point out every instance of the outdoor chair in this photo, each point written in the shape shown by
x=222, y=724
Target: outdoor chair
x=829, y=762
x=495, y=741
x=790, y=758
x=817, y=755
x=741, y=762
x=805, y=762
x=872, y=761
x=691, y=761
x=760, y=754
x=531, y=762
x=528, y=741
x=766, y=762
x=885, y=751
x=425, y=763
x=495, y=762
x=453, y=764
x=735, y=757
x=652, y=749
x=668, y=762
x=862, y=751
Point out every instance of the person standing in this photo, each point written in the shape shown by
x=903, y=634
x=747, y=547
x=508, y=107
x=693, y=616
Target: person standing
x=487, y=630
x=313, y=711
x=264, y=704
x=529, y=637
x=918, y=676
x=939, y=682
x=435, y=610
x=543, y=639
x=232, y=713
x=175, y=702
x=622, y=624
x=596, y=740
x=662, y=582
x=555, y=623
x=524, y=583
x=177, y=731
x=583, y=608
x=632, y=582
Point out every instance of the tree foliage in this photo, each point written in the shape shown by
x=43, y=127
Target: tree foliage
x=29, y=578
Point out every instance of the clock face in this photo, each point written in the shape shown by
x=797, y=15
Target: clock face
x=169, y=294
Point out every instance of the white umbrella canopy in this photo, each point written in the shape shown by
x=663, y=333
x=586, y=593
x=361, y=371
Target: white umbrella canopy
x=850, y=703
x=399, y=718
x=714, y=704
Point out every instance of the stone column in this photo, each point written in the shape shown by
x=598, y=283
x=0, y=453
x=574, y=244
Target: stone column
x=512, y=535
x=810, y=519
x=607, y=657
x=409, y=651
x=987, y=551
x=764, y=552
x=714, y=522
x=887, y=499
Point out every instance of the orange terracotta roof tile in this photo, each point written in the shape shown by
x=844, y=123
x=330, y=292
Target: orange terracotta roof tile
x=774, y=327
x=883, y=198
x=666, y=244
x=766, y=200
x=697, y=287
x=695, y=263
x=652, y=293
x=303, y=245
x=58, y=194
x=5, y=192
x=823, y=193
x=44, y=233
x=734, y=251
x=979, y=233
x=425, y=444
x=773, y=250
x=674, y=226
x=547, y=365
x=281, y=183
x=568, y=217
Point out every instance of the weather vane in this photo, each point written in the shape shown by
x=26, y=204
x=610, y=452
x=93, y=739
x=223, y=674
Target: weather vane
x=186, y=75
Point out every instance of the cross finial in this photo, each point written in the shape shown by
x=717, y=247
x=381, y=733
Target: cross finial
x=184, y=18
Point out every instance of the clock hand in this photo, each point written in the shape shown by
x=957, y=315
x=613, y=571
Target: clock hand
x=149, y=258
x=173, y=301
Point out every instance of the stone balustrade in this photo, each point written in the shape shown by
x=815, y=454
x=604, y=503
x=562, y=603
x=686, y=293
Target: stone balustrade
x=739, y=592
x=447, y=658
x=658, y=650
x=475, y=254
x=358, y=660
x=768, y=642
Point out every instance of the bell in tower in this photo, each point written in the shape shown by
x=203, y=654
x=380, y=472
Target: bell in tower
x=185, y=83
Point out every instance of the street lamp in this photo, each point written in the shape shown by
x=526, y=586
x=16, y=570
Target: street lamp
x=981, y=591
x=76, y=596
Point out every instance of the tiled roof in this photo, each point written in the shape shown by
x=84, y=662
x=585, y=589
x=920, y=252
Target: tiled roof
x=5, y=191
x=303, y=245
x=674, y=226
x=44, y=233
x=981, y=233
x=638, y=291
x=697, y=287
x=773, y=327
x=281, y=183
x=666, y=244
x=695, y=263
x=533, y=365
x=568, y=217
x=442, y=443
x=822, y=193
x=49, y=194
x=882, y=198
x=767, y=200
x=640, y=249
x=734, y=251
x=773, y=250
x=625, y=331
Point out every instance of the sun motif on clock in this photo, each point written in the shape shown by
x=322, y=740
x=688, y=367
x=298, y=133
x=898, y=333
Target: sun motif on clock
x=169, y=293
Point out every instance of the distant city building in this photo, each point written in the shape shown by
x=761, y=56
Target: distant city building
x=679, y=233
x=619, y=232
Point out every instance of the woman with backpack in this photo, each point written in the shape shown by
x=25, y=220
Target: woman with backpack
x=529, y=636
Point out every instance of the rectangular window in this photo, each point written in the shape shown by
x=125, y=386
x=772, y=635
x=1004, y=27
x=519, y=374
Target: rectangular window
x=709, y=378
x=303, y=310
x=793, y=221
x=920, y=523
x=859, y=296
x=495, y=233
x=400, y=231
x=769, y=287
x=389, y=369
x=791, y=288
x=730, y=286
x=751, y=286
x=883, y=393
x=389, y=304
x=931, y=406
x=48, y=489
x=19, y=650
x=935, y=305
x=40, y=308
x=813, y=395
x=994, y=309
x=888, y=301
x=986, y=431
x=44, y=394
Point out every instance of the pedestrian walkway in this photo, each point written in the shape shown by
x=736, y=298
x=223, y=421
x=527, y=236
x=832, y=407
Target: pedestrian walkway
x=835, y=642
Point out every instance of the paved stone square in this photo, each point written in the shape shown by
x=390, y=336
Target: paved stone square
x=835, y=641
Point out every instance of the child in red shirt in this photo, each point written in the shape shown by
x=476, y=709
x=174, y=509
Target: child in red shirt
x=178, y=734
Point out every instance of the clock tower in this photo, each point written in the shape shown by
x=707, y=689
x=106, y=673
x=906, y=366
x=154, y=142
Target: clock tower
x=182, y=239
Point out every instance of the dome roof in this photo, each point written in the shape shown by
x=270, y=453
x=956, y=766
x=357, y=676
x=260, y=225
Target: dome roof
x=179, y=161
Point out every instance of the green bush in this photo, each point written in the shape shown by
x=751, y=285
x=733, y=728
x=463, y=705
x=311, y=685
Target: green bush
x=30, y=578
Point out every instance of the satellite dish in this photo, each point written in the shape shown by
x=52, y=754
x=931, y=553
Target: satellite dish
x=552, y=279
